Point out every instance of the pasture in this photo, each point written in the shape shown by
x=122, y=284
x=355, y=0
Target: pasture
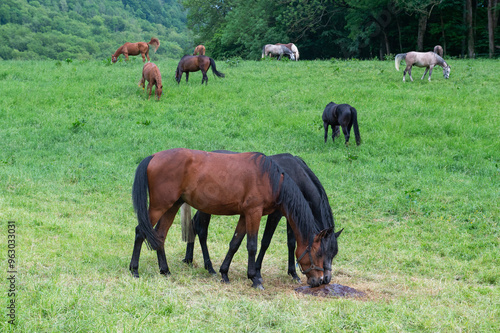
x=419, y=198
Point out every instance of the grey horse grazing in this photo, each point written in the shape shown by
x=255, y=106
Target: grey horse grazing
x=439, y=50
x=277, y=50
x=422, y=59
x=292, y=48
x=343, y=115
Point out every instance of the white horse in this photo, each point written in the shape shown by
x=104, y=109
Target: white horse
x=292, y=48
x=422, y=59
x=277, y=50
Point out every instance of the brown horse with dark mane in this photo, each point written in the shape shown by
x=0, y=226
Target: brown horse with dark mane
x=151, y=73
x=193, y=64
x=134, y=49
x=248, y=184
x=200, y=49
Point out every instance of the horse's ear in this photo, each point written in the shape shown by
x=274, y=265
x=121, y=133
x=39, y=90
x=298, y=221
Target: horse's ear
x=337, y=234
x=325, y=233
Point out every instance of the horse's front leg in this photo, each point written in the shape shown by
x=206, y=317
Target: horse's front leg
x=150, y=89
x=252, y=228
x=291, y=253
x=430, y=73
x=187, y=76
x=325, y=125
x=271, y=224
x=126, y=56
x=136, y=253
x=234, y=245
x=426, y=70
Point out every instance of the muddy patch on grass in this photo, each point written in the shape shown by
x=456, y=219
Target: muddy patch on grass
x=331, y=290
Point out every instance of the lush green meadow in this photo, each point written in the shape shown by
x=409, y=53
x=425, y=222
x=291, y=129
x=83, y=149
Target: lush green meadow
x=419, y=198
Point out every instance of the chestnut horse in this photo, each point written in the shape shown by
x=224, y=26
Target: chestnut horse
x=134, y=49
x=193, y=64
x=313, y=192
x=422, y=59
x=200, y=49
x=151, y=73
x=292, y=48
x=439, y=50
x=248, y=184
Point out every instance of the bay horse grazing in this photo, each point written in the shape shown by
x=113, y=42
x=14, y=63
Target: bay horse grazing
x=277, y=50
x=193, y=64
x=134, y=49
x=151, y=73
x=292, y=48
x=248, y=184
x=200, y=49
x=422, y=59
x=344, y=115
x=315, y=195
x=439, y=50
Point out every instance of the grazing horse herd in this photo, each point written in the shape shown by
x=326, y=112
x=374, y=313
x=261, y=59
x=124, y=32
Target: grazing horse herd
x=250, y=185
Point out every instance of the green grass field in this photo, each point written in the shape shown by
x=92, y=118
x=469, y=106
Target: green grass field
x=419, y=198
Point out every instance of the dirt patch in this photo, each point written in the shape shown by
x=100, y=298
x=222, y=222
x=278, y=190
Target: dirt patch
x=331, y=290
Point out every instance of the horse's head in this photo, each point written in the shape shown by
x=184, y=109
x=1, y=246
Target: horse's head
x=113, y=59
x=315, y=261
x=178, y=75
x=292, y=56
x=446, y=72
x=159, y=91
x=330, y=250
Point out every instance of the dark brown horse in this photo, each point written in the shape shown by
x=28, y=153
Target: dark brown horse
x=439, y=50
x=313, y=192
x=344, y=115
x=422, y=59
x=151, y=73
x=248, y=184
x=134, y=49
x=200, y=49
x=193, y=64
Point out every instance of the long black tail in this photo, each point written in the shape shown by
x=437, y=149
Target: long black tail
x=140, y=191
x=355, y=125
x=214, y=69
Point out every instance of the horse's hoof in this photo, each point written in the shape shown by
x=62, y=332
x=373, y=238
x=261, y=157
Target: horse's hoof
x=135, y=275
x=225, y=279
x=165, y=273
x=187, y=261
x=211, y=271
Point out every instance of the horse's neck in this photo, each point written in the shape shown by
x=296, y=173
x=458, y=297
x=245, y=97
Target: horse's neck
x=440, y=61
x=119, y=51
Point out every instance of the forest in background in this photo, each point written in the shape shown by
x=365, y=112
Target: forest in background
x=89, y=29
x=322, y=29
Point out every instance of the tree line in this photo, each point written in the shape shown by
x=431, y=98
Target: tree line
x=345, y=28
x=89, y=29
x=322, y=29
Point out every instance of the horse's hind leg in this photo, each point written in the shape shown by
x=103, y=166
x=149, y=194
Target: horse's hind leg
x=162, y=228
x=187, y=76
x=346, y=130
x=201, y=221
x=336, y=132
x=409, y=72
x=205, y=77
x=134, y=262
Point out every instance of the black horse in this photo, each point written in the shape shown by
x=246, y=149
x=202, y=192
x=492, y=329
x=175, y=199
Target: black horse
x=315, y=195
x=343, y=115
